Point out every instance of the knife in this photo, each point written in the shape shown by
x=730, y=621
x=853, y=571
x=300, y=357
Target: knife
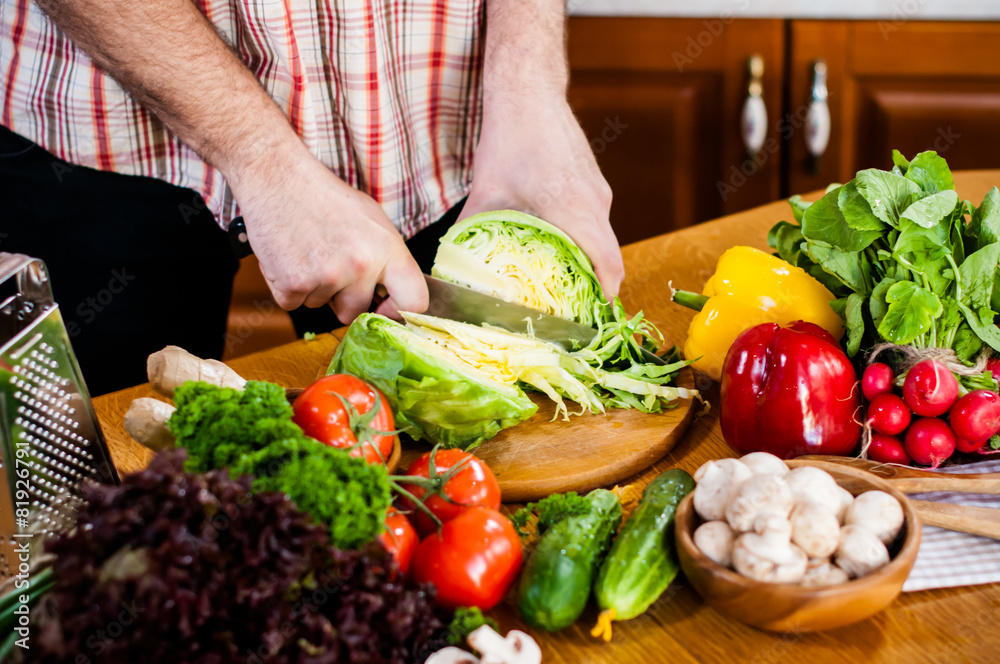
x=462, y=304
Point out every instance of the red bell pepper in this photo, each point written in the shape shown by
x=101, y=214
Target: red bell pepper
x=789, y=391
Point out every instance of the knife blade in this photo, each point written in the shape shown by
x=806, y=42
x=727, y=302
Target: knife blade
x=462, y=304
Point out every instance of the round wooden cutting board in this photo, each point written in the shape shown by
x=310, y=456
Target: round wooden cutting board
x=540, y=456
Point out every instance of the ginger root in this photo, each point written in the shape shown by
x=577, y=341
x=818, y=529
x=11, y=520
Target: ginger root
x=146, y=422
x=169, y=368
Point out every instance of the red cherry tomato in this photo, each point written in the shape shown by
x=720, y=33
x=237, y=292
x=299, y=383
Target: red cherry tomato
x=472, y=561
x=471, y=483
x=399, y=538
x=321, y=413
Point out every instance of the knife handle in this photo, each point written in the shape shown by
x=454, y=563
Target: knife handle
x=380, y=295
x=239, y=241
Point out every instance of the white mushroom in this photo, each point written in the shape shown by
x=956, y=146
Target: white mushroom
x=717, y=482
x=859, y=553
x=715, y=540
x=815, y=529
x=764, y=463
x=452, y=655
x=516, y=648
x=846, y=498
x=768, y=554
x=878, y=513
x=821, y=572
x=811, y=484
x=758, y=495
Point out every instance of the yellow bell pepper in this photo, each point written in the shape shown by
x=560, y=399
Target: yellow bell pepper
x=751, y=287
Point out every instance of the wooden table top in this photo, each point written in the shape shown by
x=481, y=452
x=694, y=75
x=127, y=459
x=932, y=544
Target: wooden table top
x=950, y=625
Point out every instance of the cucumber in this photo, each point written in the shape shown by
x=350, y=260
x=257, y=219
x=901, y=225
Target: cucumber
x=556, y=582
x=642, y=561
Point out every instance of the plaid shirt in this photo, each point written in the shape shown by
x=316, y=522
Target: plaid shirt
x=387, y=94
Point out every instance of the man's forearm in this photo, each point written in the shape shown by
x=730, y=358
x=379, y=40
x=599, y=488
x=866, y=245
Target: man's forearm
x=169, y=57
x=525, y=51
x=532, y=153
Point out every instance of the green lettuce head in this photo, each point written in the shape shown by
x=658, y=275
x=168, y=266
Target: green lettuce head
x=434, y=395
x=520, y=258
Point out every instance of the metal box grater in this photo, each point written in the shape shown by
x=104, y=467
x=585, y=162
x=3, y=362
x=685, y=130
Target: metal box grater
x=49, y=435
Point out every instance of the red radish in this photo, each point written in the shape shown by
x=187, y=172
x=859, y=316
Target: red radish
x=993, y=366
x=887, y=449
x=929, y=389
x=888, y=414
x=929, y=441
x=963, y=445
x=976, y=416
x=877, y=379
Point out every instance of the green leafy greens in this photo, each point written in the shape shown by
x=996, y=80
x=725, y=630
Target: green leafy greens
x=895, y=248
x=251, y=432
x=467, y=620
x=548, y=511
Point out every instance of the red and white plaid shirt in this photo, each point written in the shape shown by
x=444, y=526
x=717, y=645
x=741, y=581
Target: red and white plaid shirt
x=385, y=93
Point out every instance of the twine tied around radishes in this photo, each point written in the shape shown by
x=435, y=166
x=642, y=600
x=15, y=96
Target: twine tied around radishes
x=924, y=404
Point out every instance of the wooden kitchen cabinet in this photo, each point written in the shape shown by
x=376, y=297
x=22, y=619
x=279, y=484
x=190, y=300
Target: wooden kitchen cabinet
x=910, y=86
x=660, y=100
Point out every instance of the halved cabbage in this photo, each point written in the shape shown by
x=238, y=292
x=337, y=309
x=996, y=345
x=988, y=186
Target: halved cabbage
x=521, y=258
x=433, y=394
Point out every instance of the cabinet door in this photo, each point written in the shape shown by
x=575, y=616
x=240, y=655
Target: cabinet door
x=911, y=86
x=660, y=101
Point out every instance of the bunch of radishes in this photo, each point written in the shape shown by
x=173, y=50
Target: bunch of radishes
x=930, y=421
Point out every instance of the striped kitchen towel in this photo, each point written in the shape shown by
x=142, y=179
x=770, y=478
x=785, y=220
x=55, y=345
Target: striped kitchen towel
x=947, y=558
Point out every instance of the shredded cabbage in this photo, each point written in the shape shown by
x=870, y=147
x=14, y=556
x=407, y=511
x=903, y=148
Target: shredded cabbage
x=586, y=376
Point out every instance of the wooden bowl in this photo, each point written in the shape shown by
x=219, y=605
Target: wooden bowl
x=789, y=608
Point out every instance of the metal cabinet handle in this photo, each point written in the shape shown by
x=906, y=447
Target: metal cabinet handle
x=753, y=121
x=818, y=116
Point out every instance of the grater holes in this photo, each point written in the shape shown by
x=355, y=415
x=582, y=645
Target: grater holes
x=53, y=451
x=44, y=380
x=51, y=430
x=52, y=519
x=42, y=476
x=65, y=450
x=40, y=373
x=57, y=466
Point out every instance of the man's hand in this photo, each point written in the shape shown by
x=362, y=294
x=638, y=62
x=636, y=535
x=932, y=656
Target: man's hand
x=532, y=154
x=544, y=166
x=317, y=238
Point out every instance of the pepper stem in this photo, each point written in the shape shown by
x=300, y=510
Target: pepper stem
x=690, y=300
